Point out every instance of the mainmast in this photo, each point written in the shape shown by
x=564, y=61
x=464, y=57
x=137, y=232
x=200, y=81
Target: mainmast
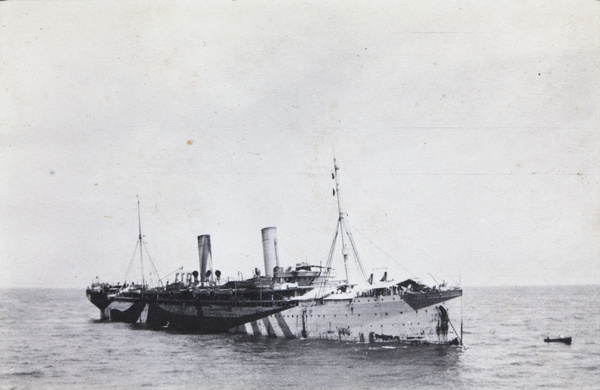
x=141, y=243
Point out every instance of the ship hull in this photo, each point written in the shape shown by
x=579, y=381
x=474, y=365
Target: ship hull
x=98, y=298
x=374, y=319
x=183, y=310
x=101, y=297
x=125, y=310
x=207, y=317
x=424, y=317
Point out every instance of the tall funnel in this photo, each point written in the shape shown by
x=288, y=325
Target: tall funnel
x=205, y=255
x=269, y=241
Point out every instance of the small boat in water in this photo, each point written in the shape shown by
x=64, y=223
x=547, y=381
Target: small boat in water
x=559, y=339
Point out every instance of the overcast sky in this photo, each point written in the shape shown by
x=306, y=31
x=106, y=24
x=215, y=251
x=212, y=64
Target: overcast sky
x=466, y=133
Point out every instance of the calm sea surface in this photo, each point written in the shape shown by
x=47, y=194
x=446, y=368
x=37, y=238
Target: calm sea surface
x=51, y=338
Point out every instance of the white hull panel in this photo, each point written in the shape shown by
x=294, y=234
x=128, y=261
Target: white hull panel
x=384, y=319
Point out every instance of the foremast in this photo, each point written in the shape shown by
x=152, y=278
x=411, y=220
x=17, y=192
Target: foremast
x=343, y=230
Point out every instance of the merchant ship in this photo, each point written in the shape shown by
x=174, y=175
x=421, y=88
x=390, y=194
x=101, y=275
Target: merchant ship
x=302, y=302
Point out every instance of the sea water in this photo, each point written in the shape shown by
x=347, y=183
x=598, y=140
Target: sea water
x=52, y=338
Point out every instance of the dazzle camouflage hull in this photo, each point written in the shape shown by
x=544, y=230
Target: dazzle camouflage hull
x=302, y=302
x=390, y=318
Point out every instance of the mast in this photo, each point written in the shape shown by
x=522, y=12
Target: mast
x=141, y=243
x=341, y=216
x=343, y=228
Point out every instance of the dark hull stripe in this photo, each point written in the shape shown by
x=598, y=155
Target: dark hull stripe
x=284, y=327
x=270, y=330
x=255, y=328
x=131, y=315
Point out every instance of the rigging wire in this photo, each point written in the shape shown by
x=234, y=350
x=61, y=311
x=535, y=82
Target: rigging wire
x=288, y=252
x=171, y=273
x=145, y=244
x=137, y=243
x=329, y=261
x=384, y=252
x=355, y=251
